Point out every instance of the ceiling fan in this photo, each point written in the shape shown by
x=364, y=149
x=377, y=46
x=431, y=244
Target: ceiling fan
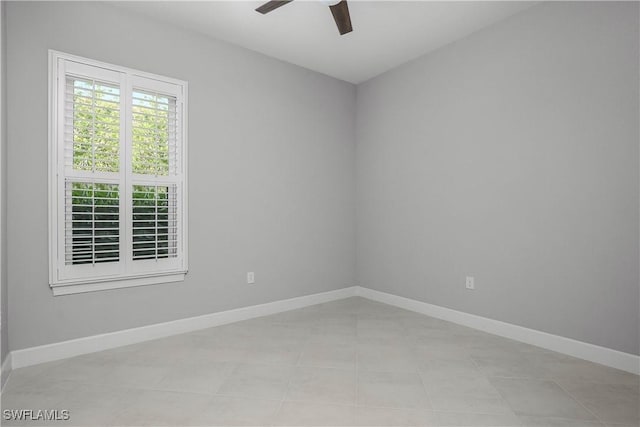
x=339, y=10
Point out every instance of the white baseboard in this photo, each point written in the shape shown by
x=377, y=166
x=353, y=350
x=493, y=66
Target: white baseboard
x=61, y=350
x=5, y=371
x=593, y=353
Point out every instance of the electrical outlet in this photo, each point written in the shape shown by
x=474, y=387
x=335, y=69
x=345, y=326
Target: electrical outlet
x=251, y=278
x=470, y=283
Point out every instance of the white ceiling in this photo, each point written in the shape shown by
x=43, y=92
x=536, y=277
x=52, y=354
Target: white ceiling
x=386, y=33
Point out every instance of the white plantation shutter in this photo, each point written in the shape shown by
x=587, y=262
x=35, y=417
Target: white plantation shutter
x=155, y=232
x=117, y=177
x=92, y=125
x=89, y=180
x=155, y=133
x=92, y=223
x=156, y=184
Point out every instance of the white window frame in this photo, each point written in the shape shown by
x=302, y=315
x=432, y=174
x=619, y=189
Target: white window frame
x=129, y=272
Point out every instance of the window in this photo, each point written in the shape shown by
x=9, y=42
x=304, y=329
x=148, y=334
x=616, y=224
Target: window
x=117, y=190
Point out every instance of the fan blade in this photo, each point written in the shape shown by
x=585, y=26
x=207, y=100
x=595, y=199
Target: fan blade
x=272, y=5
x=340, y=14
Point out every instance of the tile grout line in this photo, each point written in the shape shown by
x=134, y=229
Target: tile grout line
x=579, y=402
x=411, y=346
x=513, y=411
x=286, y=389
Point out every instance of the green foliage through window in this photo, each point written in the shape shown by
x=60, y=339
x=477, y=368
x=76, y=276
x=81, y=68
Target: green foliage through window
x=153, y=127
x=154, y=233
x=94, y=235
x=96, y=126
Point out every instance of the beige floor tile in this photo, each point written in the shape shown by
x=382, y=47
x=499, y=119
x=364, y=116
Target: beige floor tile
x=331, y=329
x=378, y=323
x=82, y=369
x=197, y=377
x=447, y=368
x=331, y=340
x=22, y=378
x=512, y=366
x=315, y=414
x=470, y=404
x=392, y=390
x=611, y=403
x=323, y=385
x=438, y=348
x=390, y=357
x=342, y=319
x=220, y=351
x=456, y=419
x=162, y=408
x=419, y=325
x=230, y=411
x=540, y=398
x=328, y=355
x=581, y=370
x=557, y=422
x=273, y=354
x=382, y=338
x=374, y=416
x=97, y=405
x=257, y=381
x=459, y=385
x=139, y=376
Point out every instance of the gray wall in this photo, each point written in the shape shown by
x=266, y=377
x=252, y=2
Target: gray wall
x=271, y=157
x=511, y=156
x=4, y=332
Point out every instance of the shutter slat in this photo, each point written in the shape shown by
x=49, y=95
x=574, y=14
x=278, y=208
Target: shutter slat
x=92, y=125
x=154, y=222
x=92, y=222
x=154, y=146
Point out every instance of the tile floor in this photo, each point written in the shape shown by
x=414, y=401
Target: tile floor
x=349, y=362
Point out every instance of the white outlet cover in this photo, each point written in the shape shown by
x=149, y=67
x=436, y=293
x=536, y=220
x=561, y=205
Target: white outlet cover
x=251, y=278
x=470, y=282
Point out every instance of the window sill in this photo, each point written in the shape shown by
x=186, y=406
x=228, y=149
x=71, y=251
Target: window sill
x=78, y=288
